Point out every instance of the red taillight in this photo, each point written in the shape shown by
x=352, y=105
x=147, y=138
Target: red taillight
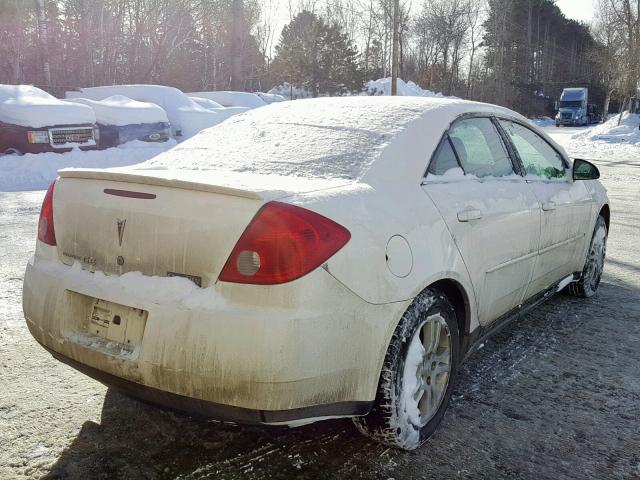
x=46, y=231
x=283, y=242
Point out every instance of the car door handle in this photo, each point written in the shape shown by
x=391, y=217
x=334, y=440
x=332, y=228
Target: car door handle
x=547, y=206
x=468, y=215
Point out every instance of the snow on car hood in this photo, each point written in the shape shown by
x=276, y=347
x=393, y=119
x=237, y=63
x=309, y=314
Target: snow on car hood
x=120, y=110
x=29, y=106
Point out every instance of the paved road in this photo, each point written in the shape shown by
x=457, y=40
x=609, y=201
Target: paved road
x=555, y=396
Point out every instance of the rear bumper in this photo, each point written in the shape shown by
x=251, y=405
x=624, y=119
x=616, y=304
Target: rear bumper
x=213, y=410
x=241, y=353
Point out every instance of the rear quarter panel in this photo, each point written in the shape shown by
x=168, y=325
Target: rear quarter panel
x=386, y=206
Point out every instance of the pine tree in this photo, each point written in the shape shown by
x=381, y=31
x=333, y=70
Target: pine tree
x=317, y=56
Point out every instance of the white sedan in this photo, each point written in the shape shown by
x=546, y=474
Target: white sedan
x=323, y=258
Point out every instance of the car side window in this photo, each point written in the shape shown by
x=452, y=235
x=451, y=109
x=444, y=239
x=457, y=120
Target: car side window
x=480, y=148
x=538, y=157
x=444, y=159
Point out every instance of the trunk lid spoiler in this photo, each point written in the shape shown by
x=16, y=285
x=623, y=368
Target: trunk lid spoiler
x=161, y=179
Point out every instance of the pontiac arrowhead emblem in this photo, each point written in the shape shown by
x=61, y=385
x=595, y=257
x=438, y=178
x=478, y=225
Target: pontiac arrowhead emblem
x=121, y=225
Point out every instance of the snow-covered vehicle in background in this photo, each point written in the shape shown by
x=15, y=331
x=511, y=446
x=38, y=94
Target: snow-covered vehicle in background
x=121, y=120
x=32, y=121
x=271, y=97
x=187, y=117
x=231, y=99
x=259, y=273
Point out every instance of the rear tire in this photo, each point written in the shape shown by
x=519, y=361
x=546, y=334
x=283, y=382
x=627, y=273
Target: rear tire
x=418, y=374
x=594, y=264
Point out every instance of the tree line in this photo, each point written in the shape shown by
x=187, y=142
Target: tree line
x=517, y=53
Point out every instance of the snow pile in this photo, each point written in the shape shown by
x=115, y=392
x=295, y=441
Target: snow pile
x=543, y=122
x=29, y=106
x=185, y=115
x=611, y=132
x=382, y=86
x=231, y=99
x=315, y=138
x=120, y=110
x=37, y=171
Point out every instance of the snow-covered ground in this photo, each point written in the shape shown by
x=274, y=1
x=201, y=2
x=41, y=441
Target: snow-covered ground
x=606, y=142
x=37, y=171
x=614, y=130
x=543, y=122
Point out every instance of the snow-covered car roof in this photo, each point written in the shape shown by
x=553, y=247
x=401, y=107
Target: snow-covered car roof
x=205, y=102
x=231, y=99
x=120, y=110
x=29, y=106
x=321, y=138
x=271, y=97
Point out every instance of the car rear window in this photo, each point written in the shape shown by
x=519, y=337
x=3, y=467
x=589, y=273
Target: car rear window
x=332, y=138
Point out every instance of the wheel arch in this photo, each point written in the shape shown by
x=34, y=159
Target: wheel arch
x=459, y=298
x=605, y=213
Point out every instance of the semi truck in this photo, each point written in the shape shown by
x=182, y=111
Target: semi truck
x=574, y=108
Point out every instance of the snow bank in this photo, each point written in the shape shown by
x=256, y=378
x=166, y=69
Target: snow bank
x=315, y=138
x=29, y=106
x=120, y=110
x=542, y=122
x=382, y=86
x=37, y=171
x=231, y=99
x=611, y=132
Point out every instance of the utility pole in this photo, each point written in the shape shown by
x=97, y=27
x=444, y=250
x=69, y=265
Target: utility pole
x=237, y=11
x=394, y=53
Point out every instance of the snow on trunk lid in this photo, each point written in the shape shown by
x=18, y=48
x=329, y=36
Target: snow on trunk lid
x=119, y=227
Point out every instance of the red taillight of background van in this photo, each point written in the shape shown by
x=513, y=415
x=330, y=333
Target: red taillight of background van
x=283, y=242
x=46, y=231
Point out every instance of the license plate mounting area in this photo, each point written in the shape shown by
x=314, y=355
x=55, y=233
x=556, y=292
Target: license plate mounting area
x=117, y=323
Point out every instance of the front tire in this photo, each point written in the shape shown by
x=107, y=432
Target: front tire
x=417, y=376
x=594, y=264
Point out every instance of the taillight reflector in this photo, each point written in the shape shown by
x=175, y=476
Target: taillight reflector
x=283, y=242
x=46, y=230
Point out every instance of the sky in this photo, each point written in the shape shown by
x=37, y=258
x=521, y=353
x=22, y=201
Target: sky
x=581, y=10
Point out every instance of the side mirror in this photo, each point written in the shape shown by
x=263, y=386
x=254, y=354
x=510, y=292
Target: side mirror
x=583, y=170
